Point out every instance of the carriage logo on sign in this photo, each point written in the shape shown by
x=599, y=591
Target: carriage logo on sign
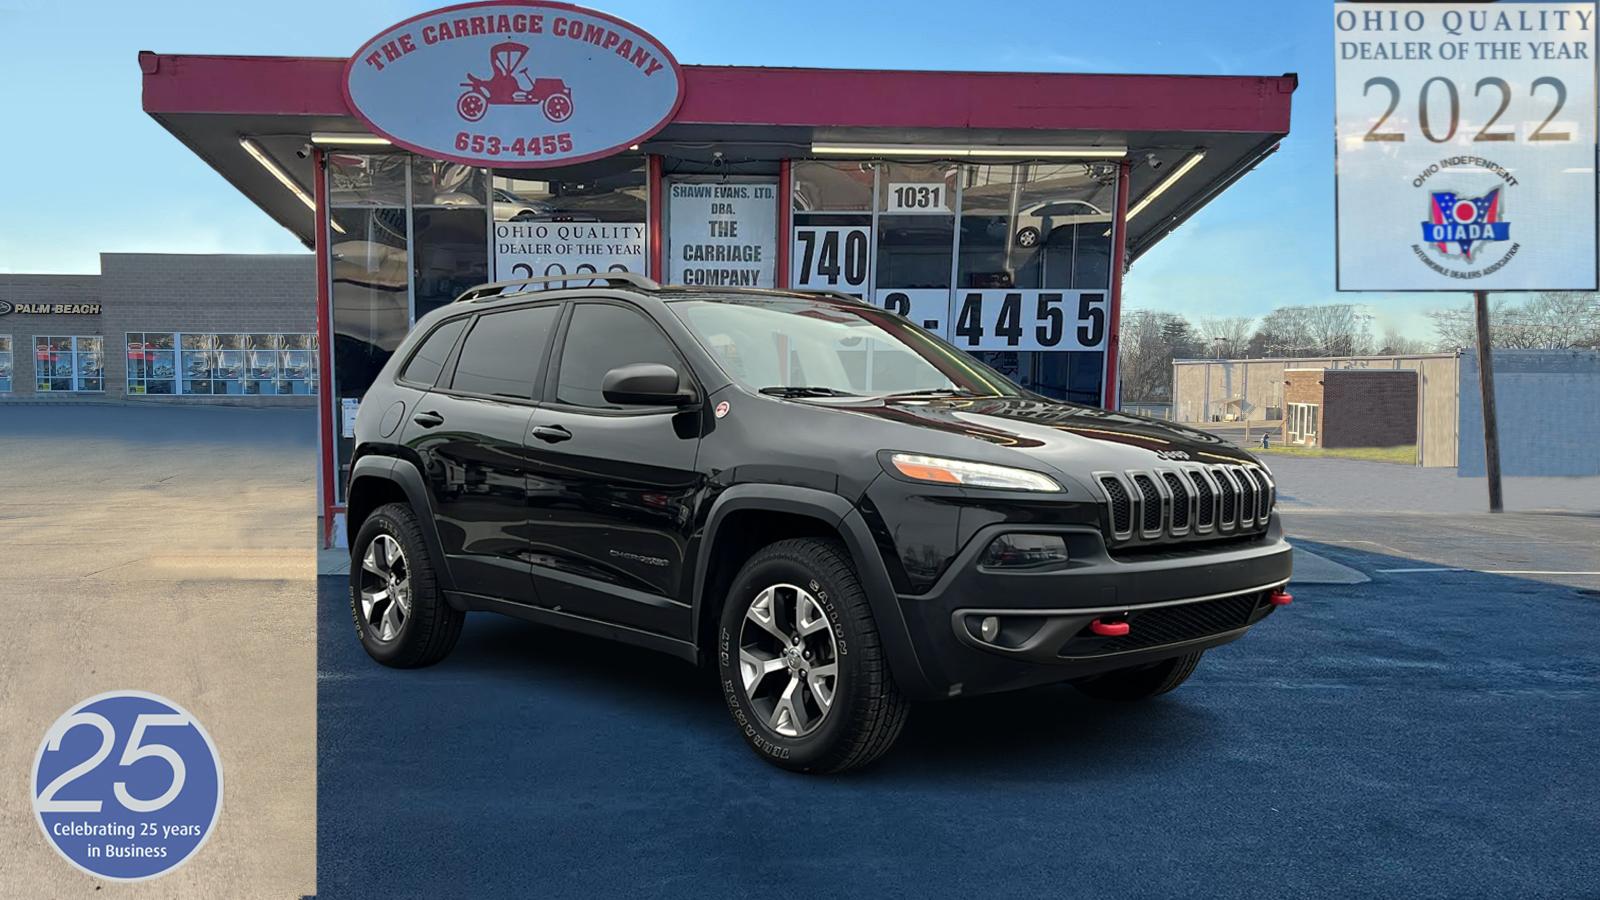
x=514, y=84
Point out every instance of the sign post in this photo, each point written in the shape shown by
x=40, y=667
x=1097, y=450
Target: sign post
x=1465, y=155
x=1491, y=425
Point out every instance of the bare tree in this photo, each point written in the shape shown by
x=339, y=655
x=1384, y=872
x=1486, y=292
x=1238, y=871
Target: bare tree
x=1227, y=335
x=1150, y=341
x=1396, y=344
x=1337, y=329
x=1552, y=320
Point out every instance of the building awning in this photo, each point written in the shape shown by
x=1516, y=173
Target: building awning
x=1211, y=128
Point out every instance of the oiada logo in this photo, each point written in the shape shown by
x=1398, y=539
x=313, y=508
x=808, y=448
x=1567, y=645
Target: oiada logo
x=524, y=83
x=1461, y=230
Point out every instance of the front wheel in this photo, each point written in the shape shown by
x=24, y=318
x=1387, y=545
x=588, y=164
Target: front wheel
x=800, y=662
x=400, y=614
x=557, y=107
x=1140, y=682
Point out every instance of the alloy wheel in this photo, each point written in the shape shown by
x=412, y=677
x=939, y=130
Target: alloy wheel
x=789, y=660
x=385, y=588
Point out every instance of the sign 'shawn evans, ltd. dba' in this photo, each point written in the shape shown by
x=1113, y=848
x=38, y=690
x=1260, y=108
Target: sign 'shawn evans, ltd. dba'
x=514, y=84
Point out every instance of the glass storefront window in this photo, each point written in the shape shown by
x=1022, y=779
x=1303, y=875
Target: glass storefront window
x=438, y=183
x=1027, y=225
x=362, y=179
x=226, y=364
x=297, y=364
x=574, y=220
x=833, y=215
x=5, y=364
x=447, y=255
x=369, y=269
x=1039, y=226
x=990, y=257
x=831, y=186
x=611, y=190
x=69, y=364
x=916, y=226
x=152, y=363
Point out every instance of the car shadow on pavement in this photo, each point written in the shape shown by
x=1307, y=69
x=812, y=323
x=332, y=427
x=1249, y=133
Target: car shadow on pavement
x=1052, y=726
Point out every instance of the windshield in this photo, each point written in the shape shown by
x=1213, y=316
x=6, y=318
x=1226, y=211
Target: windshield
x=820, y=349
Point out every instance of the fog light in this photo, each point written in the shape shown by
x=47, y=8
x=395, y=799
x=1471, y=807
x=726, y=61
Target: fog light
x=1024, y=551
x=989, y=628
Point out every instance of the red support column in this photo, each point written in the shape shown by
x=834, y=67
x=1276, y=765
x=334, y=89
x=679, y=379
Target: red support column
x=785, y=212
x=328, y=461
x=653, y=178
x=1119, y=256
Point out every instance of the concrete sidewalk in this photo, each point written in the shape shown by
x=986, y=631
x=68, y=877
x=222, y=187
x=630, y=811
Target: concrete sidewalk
x=167, y=550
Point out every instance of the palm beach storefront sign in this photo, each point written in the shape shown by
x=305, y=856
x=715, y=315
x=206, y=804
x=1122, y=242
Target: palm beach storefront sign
x=514, y=84
x=49, y=309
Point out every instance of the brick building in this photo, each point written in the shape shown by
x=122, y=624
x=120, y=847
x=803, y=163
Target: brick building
x=1350, y=407
x=177, y=328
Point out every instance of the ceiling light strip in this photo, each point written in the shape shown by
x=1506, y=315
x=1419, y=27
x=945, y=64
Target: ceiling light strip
x=1166, y=183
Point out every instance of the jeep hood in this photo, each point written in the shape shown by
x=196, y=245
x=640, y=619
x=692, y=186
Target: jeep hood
x=1074, y=439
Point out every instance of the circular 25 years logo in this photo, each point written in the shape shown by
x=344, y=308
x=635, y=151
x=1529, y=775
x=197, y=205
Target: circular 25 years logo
x=127, y=785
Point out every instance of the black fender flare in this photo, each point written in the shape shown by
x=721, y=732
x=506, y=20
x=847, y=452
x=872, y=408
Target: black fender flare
x=409, y=478
x=846, y=520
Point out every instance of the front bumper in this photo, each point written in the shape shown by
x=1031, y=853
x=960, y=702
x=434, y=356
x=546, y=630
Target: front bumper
x=1172, y=603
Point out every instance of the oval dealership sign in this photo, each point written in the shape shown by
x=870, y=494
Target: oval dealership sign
x=514, y=84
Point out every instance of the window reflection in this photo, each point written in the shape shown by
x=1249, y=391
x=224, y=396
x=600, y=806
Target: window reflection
x=5, y=364
x=68, y=364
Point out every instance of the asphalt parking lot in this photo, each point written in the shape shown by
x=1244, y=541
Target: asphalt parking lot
x=1426, y=732
x=164, y=549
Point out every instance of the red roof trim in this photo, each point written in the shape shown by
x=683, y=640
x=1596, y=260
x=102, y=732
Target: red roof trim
x=833, y=98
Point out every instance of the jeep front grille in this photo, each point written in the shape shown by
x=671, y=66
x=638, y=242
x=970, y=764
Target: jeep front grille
x=1185, y=502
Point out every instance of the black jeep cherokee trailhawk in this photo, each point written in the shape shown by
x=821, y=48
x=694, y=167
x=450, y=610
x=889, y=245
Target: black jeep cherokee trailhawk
x=838, y=511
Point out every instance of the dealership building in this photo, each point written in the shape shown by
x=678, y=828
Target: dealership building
x=164, y=328
x=507, y=140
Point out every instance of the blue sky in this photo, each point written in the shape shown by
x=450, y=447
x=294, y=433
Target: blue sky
x=87, y=170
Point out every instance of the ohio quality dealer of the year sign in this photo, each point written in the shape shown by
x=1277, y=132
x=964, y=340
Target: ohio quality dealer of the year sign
x=514, y=84
x=1465, y=155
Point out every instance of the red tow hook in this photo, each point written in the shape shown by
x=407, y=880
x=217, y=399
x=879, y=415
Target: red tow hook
x=1280, y=597
x=1108, y=629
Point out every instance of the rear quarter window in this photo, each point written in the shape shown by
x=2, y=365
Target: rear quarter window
x=426, y=364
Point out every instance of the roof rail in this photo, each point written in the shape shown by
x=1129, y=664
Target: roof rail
x=496, y=288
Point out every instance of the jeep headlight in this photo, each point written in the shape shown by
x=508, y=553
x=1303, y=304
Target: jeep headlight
x=938, y=470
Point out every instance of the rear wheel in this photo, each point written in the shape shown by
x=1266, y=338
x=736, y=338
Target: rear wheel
x=1140, y=682
x=400, y=615
x=800, y=662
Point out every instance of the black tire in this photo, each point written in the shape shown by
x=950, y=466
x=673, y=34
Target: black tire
x=867, y=710
x=430, y=632
x=1140, y=682
x=1028, y=237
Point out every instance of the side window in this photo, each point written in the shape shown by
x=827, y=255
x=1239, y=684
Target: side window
x=600, y=338
x=504, y=352
x=428, y=362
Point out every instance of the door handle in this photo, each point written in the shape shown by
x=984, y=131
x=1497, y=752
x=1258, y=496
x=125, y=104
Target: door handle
x=429, y=419
x=553, y=434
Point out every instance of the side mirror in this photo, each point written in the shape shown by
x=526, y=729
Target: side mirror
x=645, y=384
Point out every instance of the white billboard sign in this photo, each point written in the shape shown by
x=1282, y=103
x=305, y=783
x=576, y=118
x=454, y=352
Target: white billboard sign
x=537, y=249
x=722, y=235
x=1465, y=154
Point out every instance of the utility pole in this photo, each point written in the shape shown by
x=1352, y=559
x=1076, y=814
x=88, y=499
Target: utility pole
x=1491, y=426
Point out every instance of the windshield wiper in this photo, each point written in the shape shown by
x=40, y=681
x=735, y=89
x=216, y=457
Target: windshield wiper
x=800, y=390
x=939, y=392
